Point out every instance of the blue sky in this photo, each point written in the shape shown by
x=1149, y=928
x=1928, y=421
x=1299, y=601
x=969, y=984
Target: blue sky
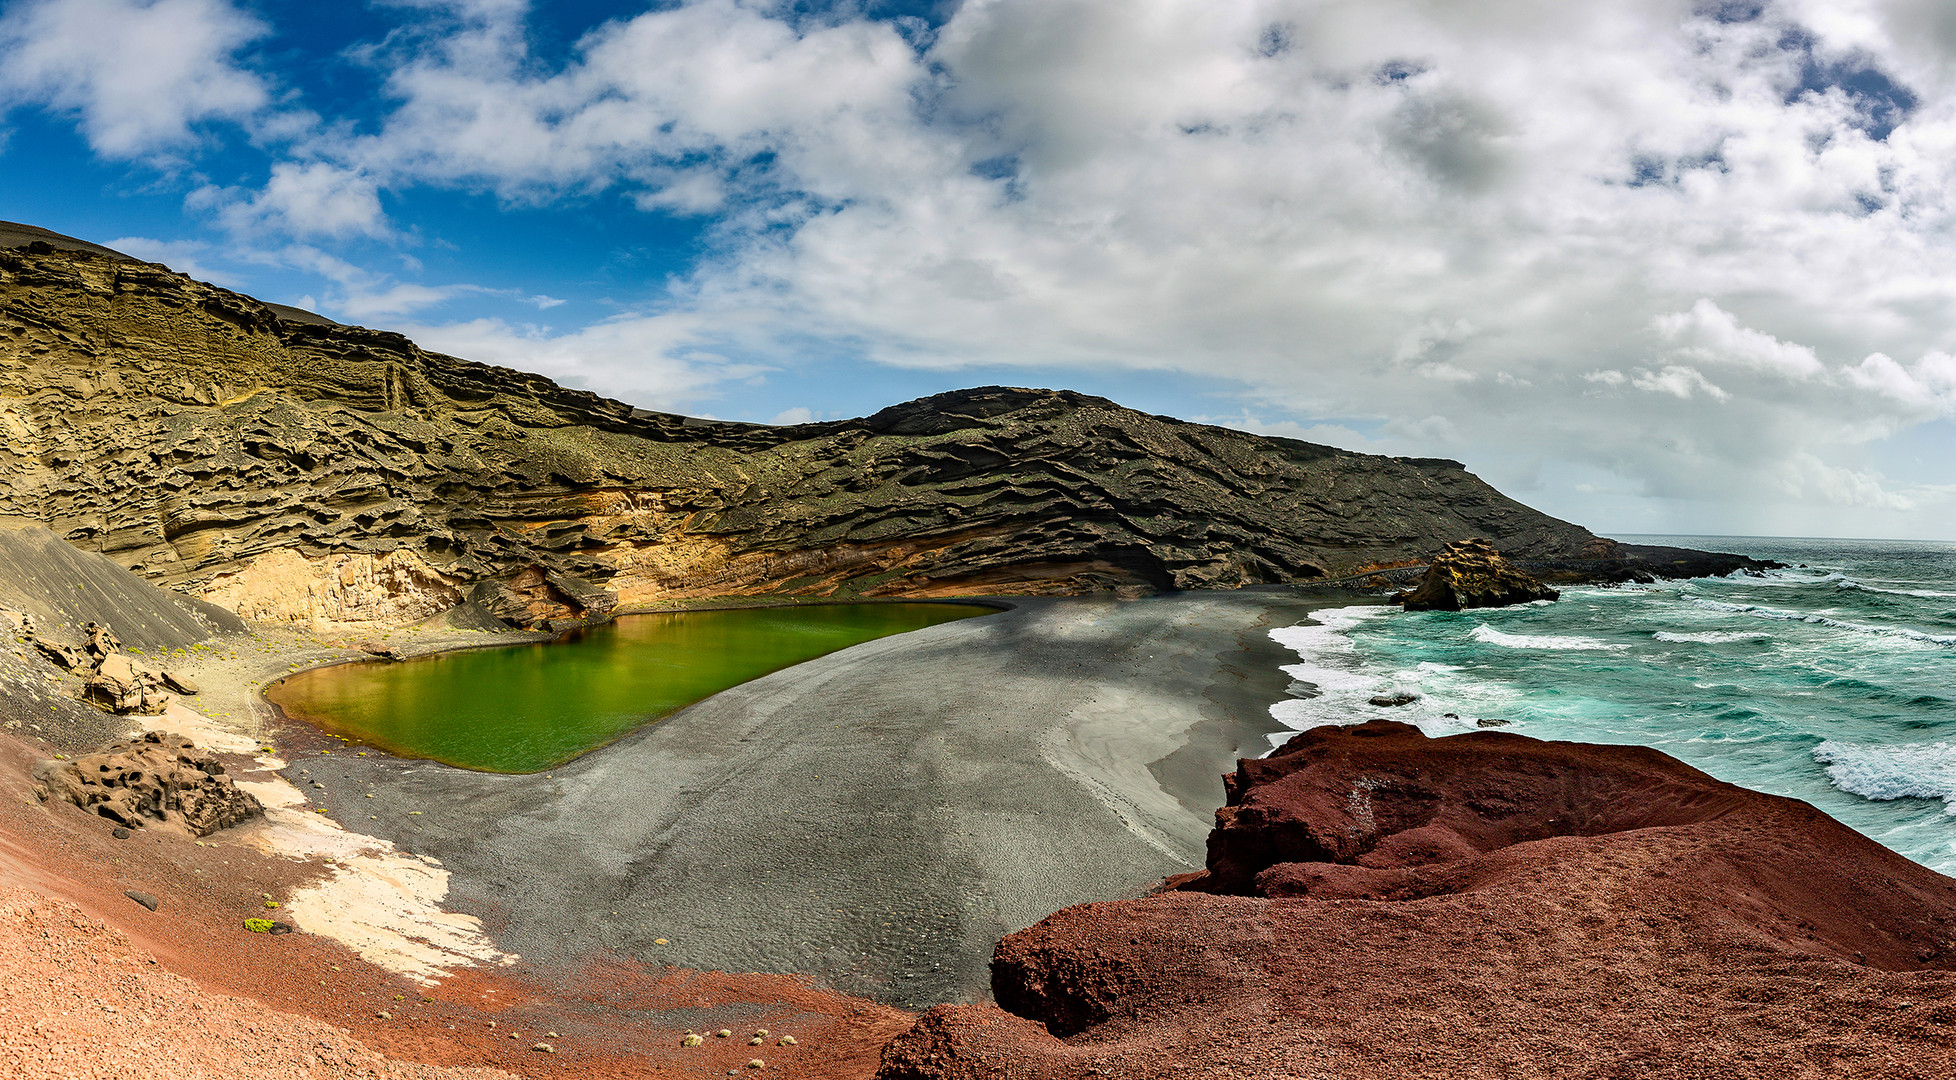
x=1652, y=266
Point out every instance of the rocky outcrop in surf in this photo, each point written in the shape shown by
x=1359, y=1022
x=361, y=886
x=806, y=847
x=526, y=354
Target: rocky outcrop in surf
x=1472, y=574
x=291, y=468
x=1378, y=903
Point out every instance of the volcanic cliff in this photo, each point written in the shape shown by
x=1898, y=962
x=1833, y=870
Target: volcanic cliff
x=288, y=467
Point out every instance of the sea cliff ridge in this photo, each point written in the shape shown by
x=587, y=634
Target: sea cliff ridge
x=293, y=469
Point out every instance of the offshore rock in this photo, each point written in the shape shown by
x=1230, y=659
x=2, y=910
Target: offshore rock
x=1378, y=903
x=1472, y=574
x=294, y=469
x=159, y=780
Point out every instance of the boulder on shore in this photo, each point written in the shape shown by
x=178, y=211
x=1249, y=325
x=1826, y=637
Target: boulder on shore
x=157, y=780
x=1472, y=574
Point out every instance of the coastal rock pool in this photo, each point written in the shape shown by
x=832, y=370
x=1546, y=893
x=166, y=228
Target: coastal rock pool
x=525, y=708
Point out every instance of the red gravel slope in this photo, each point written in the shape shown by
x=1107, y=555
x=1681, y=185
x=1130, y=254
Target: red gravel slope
x=1382, y=904
x=92, y=984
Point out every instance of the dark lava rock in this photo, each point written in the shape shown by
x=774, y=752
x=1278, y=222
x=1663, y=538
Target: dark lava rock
x=1387, y=701
x=157, y=780
x=142, y=898
x=1486, y=905
x=1472, y=574
x=120, y=833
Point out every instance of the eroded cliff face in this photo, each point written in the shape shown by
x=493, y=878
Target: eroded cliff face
x=308, y=471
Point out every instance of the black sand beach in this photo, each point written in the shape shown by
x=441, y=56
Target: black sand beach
x=876, y=818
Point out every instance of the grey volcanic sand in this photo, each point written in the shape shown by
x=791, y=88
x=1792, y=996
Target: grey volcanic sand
x=877, y=818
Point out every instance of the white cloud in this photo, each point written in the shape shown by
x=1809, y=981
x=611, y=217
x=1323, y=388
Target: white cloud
x=307, y=200
x=1679, y=382
x=140, y=74
x=1709, y=334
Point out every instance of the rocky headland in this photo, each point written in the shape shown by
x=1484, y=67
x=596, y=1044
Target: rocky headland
x=290, y=468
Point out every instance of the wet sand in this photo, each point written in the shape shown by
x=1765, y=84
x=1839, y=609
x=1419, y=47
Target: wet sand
x=876, y=818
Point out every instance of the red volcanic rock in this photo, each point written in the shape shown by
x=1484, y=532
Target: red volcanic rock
x=1487, y=905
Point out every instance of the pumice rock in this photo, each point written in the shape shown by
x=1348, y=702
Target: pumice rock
x=160, y=780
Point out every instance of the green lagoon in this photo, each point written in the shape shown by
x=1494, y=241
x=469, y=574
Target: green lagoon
x=526, y=708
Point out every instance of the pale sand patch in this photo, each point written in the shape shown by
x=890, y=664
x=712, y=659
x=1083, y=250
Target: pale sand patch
x=182, y=720
x=381, y=904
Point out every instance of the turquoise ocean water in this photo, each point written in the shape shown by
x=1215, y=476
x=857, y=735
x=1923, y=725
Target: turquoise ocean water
x=1833, y=681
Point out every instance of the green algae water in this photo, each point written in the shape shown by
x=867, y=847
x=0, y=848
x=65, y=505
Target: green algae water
x=526, y=708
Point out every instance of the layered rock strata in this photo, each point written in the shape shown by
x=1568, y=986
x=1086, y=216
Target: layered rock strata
x=1377, y=903
x=159, y=780
x=1472, y=574
x=297, y=469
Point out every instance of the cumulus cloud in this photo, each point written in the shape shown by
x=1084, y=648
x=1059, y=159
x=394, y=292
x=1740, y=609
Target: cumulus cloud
x=1712, y=335
x=302, y=199
x=139, y=74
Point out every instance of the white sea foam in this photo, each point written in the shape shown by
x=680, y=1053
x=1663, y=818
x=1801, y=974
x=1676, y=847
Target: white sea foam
x=1926, y=594
x=1712, y=637
x=1489, y=635
x=1330, y=660
x=1342, y=685
x=1758, y=612
x=1792, y=579
x=1898, y=771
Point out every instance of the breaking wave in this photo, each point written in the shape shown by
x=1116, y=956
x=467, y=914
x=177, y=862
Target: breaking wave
x=1489, y=635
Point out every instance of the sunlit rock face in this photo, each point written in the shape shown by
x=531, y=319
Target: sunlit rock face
x=1472, y=574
